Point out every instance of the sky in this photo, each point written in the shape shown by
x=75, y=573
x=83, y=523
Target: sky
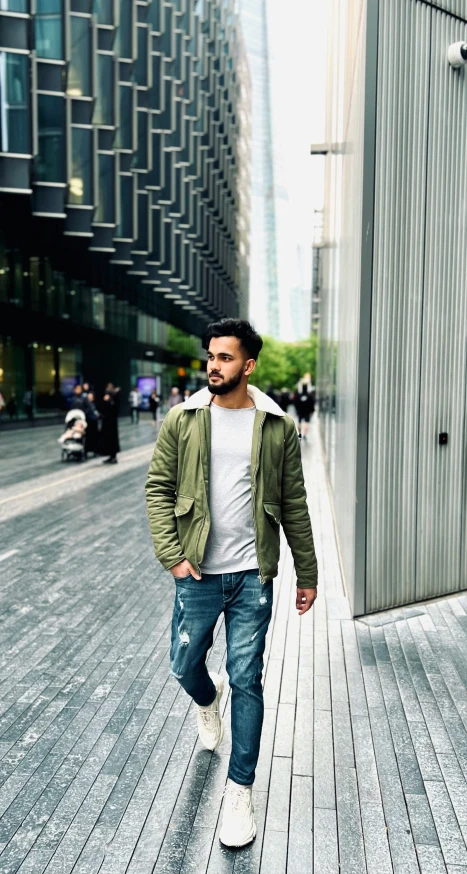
x=297, y=48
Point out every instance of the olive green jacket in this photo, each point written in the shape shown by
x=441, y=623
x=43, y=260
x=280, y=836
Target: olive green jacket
x=177, y=488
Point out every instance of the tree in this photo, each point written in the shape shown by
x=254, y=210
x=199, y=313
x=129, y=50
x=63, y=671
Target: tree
x=283, y=364
x=301, y=358
x=271, y=369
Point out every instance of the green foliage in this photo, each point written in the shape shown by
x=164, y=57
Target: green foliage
x=281, y=365
x=271, y=368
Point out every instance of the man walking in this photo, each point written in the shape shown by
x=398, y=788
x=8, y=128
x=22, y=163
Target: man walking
x=226, y=472
x=134, y=398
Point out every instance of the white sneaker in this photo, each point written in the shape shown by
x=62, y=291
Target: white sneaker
x=210, y=722
x=238, y=822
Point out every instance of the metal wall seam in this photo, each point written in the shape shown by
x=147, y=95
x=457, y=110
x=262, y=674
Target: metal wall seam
x=403, y=77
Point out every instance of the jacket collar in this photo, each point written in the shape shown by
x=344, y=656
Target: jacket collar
x=262, y=402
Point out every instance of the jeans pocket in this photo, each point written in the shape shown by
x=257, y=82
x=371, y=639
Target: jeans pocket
x=182, y=579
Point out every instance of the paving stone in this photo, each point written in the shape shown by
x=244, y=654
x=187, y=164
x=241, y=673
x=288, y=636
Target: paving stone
x=277, y=819
x=300, y=851
x=450, y=836
x=421, y=820
x=431, y=860
x=349, y=826
x=326, y=853
x=375, y=837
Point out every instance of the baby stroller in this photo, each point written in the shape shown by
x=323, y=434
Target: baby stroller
x=73, y=438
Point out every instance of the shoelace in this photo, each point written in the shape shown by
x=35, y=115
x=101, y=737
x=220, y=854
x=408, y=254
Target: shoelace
x=241, y=798
x=208, y=716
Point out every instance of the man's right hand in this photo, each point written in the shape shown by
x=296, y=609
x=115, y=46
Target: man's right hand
x=183, y=569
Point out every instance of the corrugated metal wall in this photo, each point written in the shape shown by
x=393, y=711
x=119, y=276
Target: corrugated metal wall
x=416, y=488
x=400, y=185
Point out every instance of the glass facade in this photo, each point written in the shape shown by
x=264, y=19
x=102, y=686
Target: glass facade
x=105, y=99
x=48, y=29
x=121, y=125
x=105, y=211
x=79, y=72
x=81, y=182
x=124, y=134
x=50, y=162
x=14, y=103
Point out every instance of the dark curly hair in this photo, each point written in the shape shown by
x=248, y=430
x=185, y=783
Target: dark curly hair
x=240, y=328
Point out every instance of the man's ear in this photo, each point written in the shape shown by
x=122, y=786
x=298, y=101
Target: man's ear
x=250, y=366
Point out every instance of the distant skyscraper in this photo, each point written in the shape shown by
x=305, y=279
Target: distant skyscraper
x=264, y=298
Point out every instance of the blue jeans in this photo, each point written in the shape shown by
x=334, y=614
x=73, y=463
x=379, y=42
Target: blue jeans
x=247, y=606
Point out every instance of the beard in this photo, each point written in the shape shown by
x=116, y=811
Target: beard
x=223, y=388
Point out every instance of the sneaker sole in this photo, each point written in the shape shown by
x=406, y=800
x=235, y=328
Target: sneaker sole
x=238, y=846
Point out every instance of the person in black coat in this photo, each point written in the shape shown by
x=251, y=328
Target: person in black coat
x=109, y=442
x=92, y=430
x=154, y=401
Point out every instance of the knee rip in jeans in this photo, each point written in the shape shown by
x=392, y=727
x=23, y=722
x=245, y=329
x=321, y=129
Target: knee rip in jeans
x=263, y=600
x=183, y=637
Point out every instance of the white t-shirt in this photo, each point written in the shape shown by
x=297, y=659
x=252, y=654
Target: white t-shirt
x=231, y=546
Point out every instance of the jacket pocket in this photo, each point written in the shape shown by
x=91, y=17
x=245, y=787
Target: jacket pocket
x=183, y=505
x=274, y=512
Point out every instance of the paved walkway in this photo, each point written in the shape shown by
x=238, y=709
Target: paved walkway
x=364, y=756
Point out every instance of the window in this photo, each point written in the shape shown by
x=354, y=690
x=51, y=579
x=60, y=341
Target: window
x=142, y=243
x=124, y=41
x=81, y=166
x=141, y=157
x=14, y=103
x=124, y=229
x=50, y=162
x=104, y=110
x=104, y=12
x=14, y=6
x=105, y=212
x=124, y=135
x=141, y=64
x=48, y=26
x=79, y=73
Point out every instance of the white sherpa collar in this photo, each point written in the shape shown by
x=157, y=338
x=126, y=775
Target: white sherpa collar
x=262, y=402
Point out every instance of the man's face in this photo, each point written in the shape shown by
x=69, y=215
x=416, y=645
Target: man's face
x=228, y=363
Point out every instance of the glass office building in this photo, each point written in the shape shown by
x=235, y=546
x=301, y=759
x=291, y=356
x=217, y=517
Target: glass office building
x=124, y=188
x=264, y=295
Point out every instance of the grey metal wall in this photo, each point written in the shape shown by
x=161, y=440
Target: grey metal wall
x=416, y=488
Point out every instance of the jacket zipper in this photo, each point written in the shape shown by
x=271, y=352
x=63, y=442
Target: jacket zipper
x=260, y=440
x=206, y=489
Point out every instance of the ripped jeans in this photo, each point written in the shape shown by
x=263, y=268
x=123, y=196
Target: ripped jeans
x=247, y=606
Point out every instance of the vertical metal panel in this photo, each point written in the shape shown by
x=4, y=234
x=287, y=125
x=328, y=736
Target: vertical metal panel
x=403, y=87
x=440, y=500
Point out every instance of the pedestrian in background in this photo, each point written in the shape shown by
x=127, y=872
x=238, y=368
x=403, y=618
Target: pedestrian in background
x=215, y=524
x=109, y=443
x=186, y=394
x=154, y=402
x=28, y=404
x=284, y=399
x=135, y=403
x=92, y=430
x=304, y=403
x=175, y=398
x=11, y=407
x=79, y=401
